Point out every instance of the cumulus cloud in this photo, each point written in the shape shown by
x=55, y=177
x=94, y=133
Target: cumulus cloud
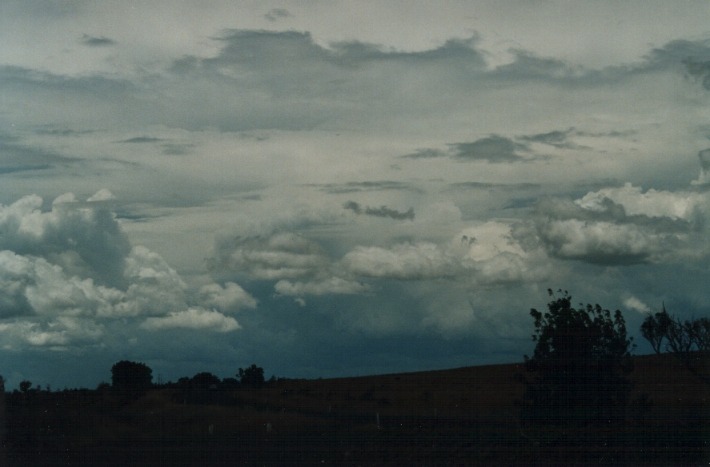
x=66, y=271
x=193, y=318
x=408, y=261
x=230, y=297
x=279, y=256
x=488, y=253
x=625, y=225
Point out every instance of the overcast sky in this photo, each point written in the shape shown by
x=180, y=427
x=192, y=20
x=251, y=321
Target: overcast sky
x=330, y=188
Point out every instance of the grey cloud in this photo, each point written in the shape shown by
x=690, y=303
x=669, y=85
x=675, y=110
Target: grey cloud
x=277, y=14
x=97, y=41
x=356, y=187
x=141, y=140
x=382, y=211
x=556, y=138
x=426, y=153
x=493, y=149
x=623, y=226
x=94, y=237
x=494, y=186
x=704, y=157
x=280, y=256
x=19, y=157
x=65, y=272
x=177, y=149
x=692, y=56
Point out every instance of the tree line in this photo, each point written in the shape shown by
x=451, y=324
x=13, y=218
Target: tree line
x=579, y=371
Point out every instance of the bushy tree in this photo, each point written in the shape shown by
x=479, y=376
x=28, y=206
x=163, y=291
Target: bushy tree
x=131, y=379
x=655, y=329
x=579, y=366
x=252, y=376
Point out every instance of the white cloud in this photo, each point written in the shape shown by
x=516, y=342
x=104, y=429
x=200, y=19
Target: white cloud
x=280, y=256
x=634, y=303
x=331, y=285
x=651, y=203
x=230, y=297
x=193, y=318
x=409, y=261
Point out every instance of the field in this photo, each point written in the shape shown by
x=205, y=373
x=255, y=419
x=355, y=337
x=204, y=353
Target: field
x=466, y=416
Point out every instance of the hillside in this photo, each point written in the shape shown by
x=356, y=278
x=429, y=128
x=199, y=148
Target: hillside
x=464, y=416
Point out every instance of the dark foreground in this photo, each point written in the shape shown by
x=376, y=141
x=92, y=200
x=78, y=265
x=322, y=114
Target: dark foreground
x=464, y=416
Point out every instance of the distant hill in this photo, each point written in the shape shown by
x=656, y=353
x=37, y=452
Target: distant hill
x=462, y=416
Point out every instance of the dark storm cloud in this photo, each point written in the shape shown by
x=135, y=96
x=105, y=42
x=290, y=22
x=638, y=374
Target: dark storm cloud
x=493, y=149
x=382, y=211
x=97, y=41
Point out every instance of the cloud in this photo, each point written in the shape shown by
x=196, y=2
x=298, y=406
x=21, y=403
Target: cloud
x=634, y=303
x=230, y=297
x=279, y=256
x=85, y=241
x=369, y=186
x=97, y=41
x=331, y=285
x=66, y=272
x=141, y=140
x=410, y=261
x=193, y=318
x=277, y=14
x=625, y=225
x=704, y=177
x=382, y=211
x=493, y=149
x=101, y=195
x=556, y=138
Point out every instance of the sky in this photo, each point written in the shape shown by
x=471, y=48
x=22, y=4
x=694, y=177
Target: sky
x=340, y=188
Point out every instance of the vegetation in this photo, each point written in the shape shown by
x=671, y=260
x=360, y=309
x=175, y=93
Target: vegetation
x=580, y=365
x=688, y=340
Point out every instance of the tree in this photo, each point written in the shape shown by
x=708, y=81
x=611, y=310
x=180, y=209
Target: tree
x=580, y=364
x=700, y=332
x=655, y=329
x=25, y=386
x=131, y=379
x=252, y=376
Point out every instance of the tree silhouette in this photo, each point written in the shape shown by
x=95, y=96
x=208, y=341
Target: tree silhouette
x=252, y=376
x=655, y=329
x=131, y=379
x=580, y=364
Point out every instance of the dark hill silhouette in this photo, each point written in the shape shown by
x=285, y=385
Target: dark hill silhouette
x=463, y=416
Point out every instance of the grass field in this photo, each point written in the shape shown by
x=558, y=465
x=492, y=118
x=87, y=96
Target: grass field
x=465, y=416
